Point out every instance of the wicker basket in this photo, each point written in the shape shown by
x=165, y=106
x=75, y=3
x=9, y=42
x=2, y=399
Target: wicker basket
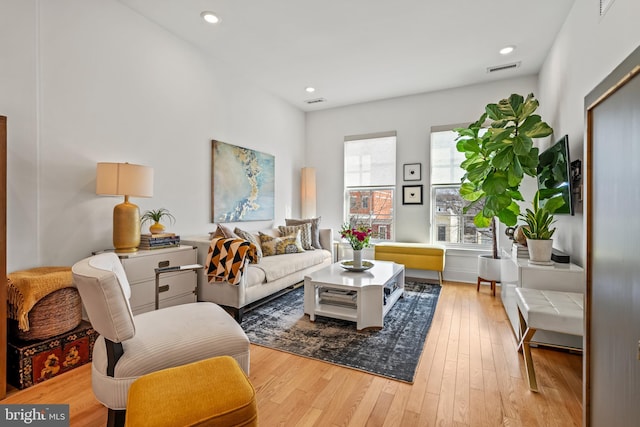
x=55, y=314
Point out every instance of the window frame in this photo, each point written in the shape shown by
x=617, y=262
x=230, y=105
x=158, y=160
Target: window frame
x=371, y=202
x=457, y=185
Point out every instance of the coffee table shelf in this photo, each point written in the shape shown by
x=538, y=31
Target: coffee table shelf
x=370, y=307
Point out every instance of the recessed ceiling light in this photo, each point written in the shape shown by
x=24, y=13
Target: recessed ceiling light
x=210, y=17
x=507, y=50
x=310, y=89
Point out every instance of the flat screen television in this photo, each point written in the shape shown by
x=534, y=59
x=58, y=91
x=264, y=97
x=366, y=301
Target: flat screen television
x=554, y=175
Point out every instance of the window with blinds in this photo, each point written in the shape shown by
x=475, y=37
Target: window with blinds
x=370, y=181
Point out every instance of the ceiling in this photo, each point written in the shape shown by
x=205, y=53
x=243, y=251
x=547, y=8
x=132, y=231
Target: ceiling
x=356, y=51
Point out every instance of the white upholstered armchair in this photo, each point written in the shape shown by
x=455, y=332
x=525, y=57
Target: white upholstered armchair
x=131, y=346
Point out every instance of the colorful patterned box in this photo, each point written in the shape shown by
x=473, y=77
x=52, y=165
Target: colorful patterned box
x=31, y=362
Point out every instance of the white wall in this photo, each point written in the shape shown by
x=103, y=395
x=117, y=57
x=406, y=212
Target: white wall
x=90, y=81
x=18, y=91
x=586, y=50
x=412, y=117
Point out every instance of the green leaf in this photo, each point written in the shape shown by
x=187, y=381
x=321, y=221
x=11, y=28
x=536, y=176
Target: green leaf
x=481, y=221
x=468, y=192
x=512, y=106
x=522, y=145
x=499, y=135
x=529, y=123
x=495, y=183
x=468, y=145
x=493, y=112
x=554, y=203
x=539, y=130
x=507, y=217
x=478, y=170
x=497, y=124
x=465, y=132
x=530, y=105
x=515, y=173
x=503, y=158
x=516, y=195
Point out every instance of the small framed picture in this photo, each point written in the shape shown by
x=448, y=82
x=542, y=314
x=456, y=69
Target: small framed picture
x=412, y=194
x=412, y=171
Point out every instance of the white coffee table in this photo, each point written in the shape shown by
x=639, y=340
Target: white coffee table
x=355, y=296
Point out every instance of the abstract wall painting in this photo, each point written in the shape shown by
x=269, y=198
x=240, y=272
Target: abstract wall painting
x=242, y=184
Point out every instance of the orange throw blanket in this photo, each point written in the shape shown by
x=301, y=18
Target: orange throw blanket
x=226, y=259
x=26, y=288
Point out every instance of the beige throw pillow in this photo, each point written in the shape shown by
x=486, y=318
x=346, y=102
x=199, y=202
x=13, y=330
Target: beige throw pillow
x=223, y=232
x=315, y=229
x=250, y=238
x=305, y=234
x=281, y=245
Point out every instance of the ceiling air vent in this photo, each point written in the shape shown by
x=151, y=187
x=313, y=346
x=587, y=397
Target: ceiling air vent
x=315, y=101
x=503, y=67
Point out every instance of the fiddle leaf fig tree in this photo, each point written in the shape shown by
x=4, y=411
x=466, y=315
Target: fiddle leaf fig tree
x=498, y=157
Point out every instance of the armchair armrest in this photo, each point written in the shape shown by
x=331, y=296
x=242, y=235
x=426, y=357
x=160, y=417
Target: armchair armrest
x=326, y=240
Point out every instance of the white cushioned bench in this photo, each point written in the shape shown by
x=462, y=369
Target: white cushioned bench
x=550, y=311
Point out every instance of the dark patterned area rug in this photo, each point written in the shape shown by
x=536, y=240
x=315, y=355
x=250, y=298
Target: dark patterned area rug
x=391, y=352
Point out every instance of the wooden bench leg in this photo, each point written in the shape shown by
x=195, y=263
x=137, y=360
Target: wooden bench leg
x=524, y=345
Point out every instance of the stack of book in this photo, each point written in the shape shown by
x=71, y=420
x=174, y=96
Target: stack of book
x=389, y=288
x=337, y=297
x=159, y=241
x=519, y=251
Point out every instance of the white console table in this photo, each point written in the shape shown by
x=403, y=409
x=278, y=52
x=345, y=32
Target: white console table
x=557, y=277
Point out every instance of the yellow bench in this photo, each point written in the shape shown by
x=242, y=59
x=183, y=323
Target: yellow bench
x=420, y=256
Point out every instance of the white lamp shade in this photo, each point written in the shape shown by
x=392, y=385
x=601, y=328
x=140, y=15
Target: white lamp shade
x=124, y=179
x=308, y=192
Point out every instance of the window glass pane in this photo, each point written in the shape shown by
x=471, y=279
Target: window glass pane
x=445, y=158
x=372, y=208
x=370, y=162
x=450, y=223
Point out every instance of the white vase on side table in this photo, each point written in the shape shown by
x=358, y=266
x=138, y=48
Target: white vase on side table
x=357, y=258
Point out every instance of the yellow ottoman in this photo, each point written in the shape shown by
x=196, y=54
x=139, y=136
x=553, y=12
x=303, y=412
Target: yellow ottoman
x=211, y=392
x=420, y=256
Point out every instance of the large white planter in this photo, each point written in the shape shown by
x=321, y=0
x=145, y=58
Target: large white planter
x=540, y=250
x=489, y=268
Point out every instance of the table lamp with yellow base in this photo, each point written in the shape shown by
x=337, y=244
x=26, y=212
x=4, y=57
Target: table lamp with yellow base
x=128, y=180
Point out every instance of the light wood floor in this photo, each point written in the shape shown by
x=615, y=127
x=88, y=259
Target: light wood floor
x=469, y=375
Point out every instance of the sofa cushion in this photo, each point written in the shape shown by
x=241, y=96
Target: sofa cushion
x=315, y=229
x=280, y=245
x=278, y=266
x=305, y=234
x=251, y=238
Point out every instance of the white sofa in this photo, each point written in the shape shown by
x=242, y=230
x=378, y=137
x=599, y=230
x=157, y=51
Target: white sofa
x=263, y=280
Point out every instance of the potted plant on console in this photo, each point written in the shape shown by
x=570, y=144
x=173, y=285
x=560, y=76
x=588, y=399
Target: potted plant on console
x=538, y=230
x=156, y=215
x=496, y=162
